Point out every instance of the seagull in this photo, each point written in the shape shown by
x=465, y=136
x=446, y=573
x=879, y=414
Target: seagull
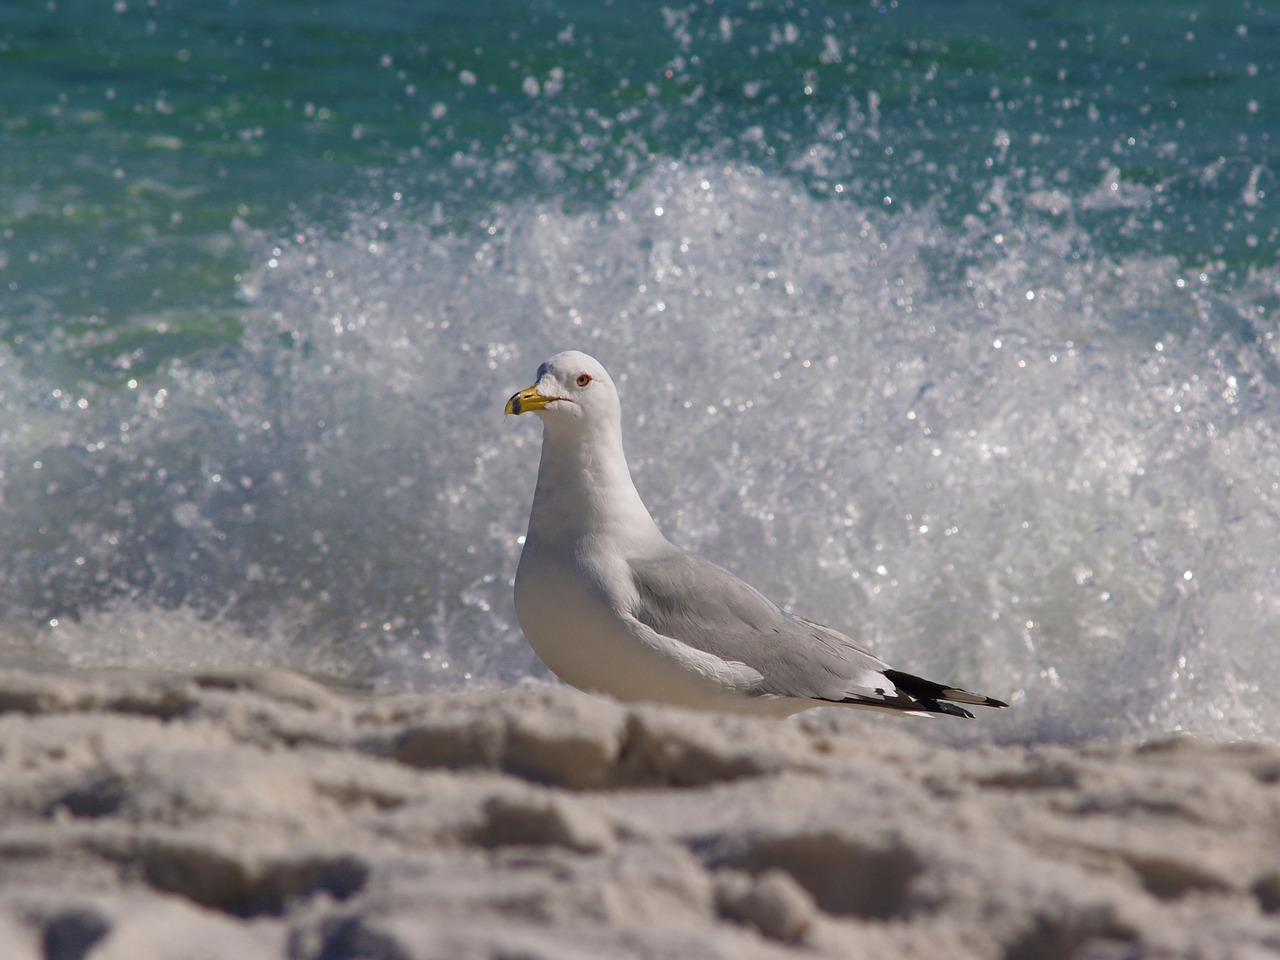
x=614, y=608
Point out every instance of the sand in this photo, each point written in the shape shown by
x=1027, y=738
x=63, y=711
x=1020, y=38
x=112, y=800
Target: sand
x=247, y=815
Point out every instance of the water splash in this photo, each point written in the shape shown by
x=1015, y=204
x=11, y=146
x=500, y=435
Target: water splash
x=998, y=453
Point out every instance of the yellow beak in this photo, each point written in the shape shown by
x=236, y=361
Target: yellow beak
x=527, y=399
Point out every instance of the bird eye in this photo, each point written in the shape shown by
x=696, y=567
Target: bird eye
x=583, y=379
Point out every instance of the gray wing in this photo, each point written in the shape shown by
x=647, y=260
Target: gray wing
x=694, y=601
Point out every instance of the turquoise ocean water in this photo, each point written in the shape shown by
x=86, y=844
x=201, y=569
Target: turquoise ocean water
x=951, y=325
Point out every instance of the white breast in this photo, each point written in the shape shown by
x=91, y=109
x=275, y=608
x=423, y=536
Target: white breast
x=587, y=641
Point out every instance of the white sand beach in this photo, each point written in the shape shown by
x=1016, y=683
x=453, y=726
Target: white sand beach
x=260, y=814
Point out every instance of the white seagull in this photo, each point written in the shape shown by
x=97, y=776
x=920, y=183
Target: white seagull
x=612, y=607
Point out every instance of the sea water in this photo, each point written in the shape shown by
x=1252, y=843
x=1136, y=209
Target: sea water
x=953, y=326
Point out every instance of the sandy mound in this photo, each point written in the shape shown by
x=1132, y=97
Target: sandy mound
x=262, y=815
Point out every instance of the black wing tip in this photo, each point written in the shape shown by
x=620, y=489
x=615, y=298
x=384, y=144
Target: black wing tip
x=940, y=706
x=937, y=695
x=956, y=695
x=907, y=704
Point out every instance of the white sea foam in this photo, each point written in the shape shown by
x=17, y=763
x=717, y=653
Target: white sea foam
x=1034, y=469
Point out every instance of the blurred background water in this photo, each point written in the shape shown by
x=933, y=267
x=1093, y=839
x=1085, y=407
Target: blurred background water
x=951, y=325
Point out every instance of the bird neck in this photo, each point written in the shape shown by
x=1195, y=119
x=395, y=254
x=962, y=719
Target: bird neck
x=585, y=489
